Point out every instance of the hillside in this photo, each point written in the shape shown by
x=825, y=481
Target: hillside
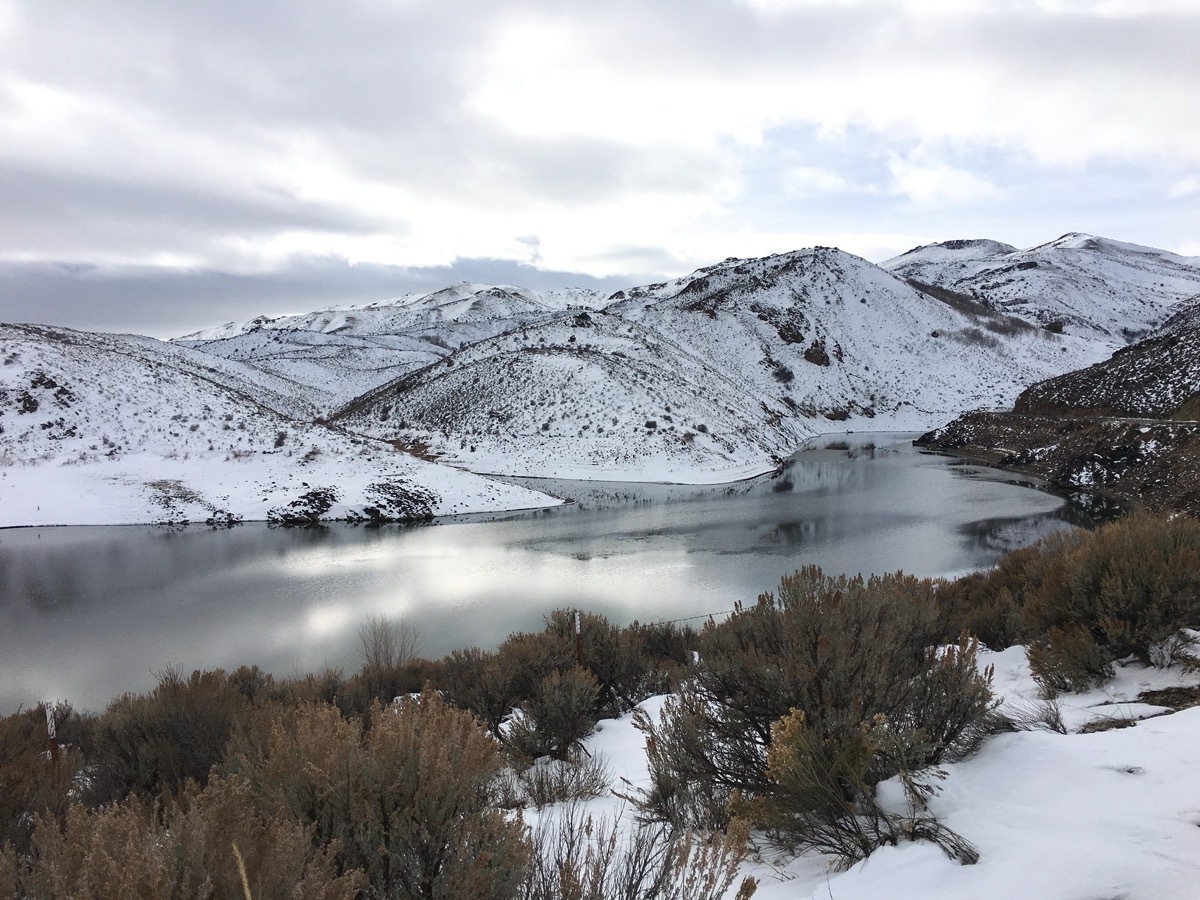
x=1158, y=378
x=104, y=428
x=714, y=375
x=1124, y=428
x=703, y=379
x=1102, y=289
x=343, y=353
x=584, y=395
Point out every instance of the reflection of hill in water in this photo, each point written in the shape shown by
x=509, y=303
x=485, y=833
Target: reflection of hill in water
x=826, y=465
x=1005, y=535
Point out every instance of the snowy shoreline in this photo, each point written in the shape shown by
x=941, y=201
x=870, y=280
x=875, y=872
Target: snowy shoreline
x=149, y=489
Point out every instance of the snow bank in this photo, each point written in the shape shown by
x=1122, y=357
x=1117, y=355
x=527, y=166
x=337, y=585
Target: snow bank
x=1079, y=815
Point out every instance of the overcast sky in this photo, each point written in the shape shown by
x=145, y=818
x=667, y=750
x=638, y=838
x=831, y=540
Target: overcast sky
x=167, y=166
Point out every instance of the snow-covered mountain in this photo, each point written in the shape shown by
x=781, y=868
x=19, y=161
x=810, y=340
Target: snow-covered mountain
x=1096, y=287
x=715, y=374
x=583, y=395
x=345, y=352
x=106, y=428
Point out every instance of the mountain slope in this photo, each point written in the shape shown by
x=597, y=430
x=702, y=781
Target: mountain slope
x=827, y=334
x=583, y=395
x=717, y=373
x=1096, y=287
x=1158, y=378
x=345, y=352
x=706, y=378
x=335, y=367
x=121, y=428
x=1125, y=428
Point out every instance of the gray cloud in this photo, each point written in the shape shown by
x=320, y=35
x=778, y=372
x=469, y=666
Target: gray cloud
x=168, y=303
x=251, y=139
x=57, y=207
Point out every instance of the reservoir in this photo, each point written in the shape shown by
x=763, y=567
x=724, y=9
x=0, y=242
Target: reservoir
x=89, y=612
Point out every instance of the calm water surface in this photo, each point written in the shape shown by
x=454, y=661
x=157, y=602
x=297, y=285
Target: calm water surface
x=86, y=613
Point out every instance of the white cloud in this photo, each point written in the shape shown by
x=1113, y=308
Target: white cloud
x=809, y=180
x=1184, y=187
x=939, y=184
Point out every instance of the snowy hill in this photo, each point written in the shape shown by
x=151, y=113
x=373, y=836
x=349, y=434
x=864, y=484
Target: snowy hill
x=715, y=374
x=345, y=352
x=120, y=428
x=1125, y=427
x=462, y=302
x=335, y=368
x=825, y=334
x=581, y=396
x=1096, y=287
x=1158, y=378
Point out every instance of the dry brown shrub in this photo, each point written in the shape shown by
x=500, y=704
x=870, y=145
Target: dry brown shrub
x=148, y=743
x=30, y=783
x=472, y=679
x=8, y=871
x=579, y=857
x=278, y=855
x=987, y=605
x=407, y=795
x=843, y=652
x=102, y=855
x=1126, y=589
x=320, y=687
x=383, y=684
x=185, y=849
x=560, y=715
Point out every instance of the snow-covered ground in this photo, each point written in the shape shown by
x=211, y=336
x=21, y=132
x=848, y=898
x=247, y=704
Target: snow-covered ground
x=148, y=488
x=1076, y=816
x=100, y=429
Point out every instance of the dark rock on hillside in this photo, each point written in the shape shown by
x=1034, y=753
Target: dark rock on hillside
x=1158, y=378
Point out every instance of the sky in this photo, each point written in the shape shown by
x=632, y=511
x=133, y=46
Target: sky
x=170, y=166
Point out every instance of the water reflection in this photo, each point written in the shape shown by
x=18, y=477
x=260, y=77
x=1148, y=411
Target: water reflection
x=88, y=612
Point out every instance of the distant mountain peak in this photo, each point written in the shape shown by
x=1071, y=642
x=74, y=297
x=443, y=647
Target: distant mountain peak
x=1081, y=283
x=962, y=247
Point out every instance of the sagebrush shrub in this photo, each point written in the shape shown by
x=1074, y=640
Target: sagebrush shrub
x=580, y=858
x=1122, y=590
x=842, y=651
x=560, y=715
x=320, y=687
x=184, y=849
x=29, y=783
x=475, y=680
x=383, y=684
x=824, y=797
x=544, y=781
x=407, y=794
x=629, y=664
x=152, y=742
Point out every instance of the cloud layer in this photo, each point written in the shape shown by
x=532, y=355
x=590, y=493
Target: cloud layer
x=618, y=140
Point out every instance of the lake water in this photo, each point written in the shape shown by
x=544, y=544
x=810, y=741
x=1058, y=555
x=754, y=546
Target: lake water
x=86, y=613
